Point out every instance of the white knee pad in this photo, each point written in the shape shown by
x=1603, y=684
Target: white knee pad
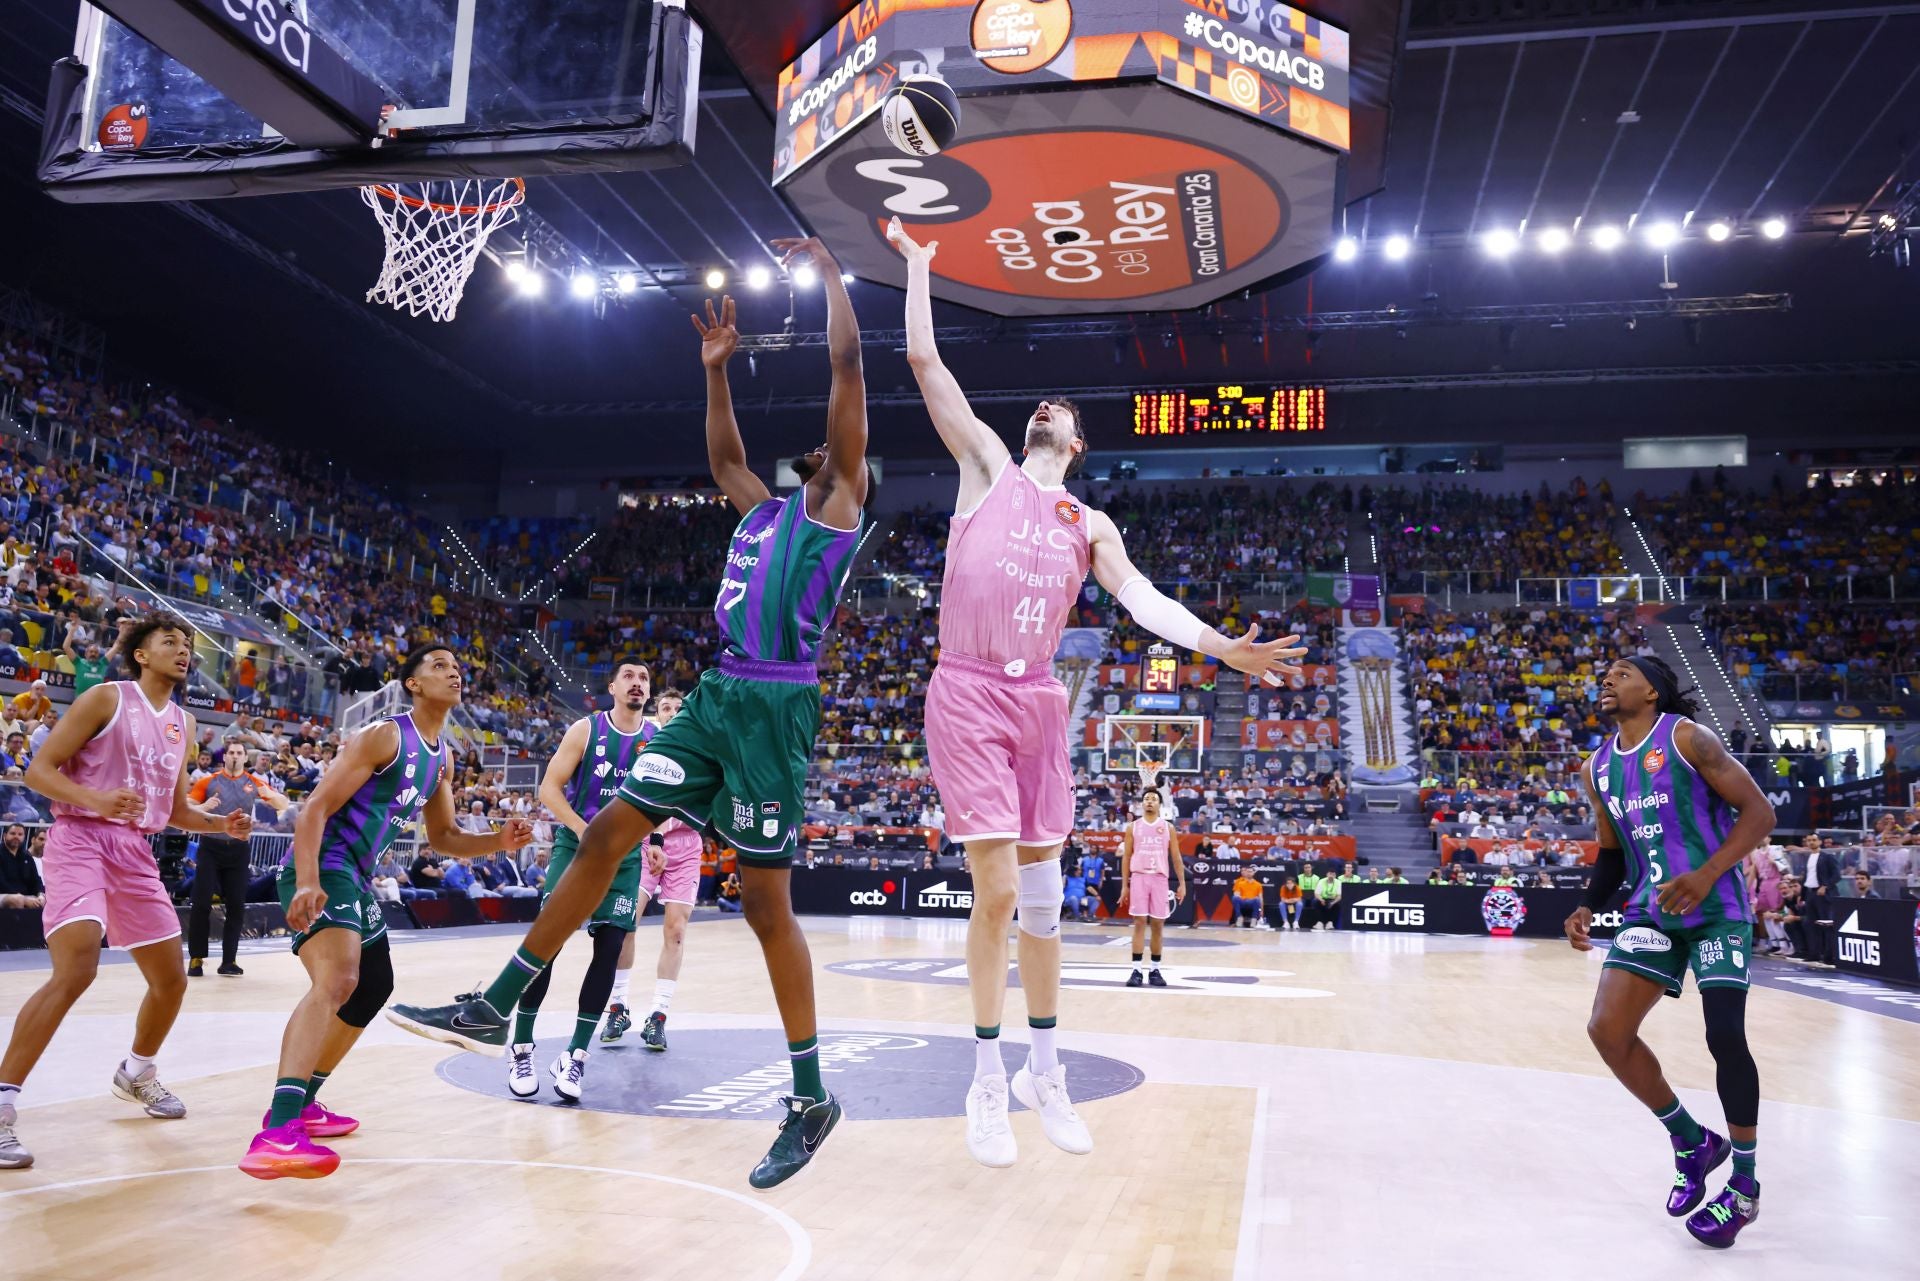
x=1042, y=887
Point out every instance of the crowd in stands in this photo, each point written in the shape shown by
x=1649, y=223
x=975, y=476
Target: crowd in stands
x=1808, y=649
x=1812, y=539
x=1518, y=688
x=664, y=553
x=1443, y=530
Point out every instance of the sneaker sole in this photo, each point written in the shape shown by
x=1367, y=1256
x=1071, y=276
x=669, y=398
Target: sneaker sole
x=282, y=1167
x=1029, y=1098
x=16, y=1163
x=331, y=1131
x=446, y=1036
x=133, y=1098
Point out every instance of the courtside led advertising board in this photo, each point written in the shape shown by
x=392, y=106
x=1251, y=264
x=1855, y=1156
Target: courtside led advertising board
x=1130, y=155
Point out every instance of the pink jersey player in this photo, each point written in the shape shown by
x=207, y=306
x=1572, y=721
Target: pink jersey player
x=996, y=717
x=102, y=869
x=1147, y=891
x=679, y=879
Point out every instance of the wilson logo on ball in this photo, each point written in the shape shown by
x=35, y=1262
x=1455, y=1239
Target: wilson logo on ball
x=921, y=115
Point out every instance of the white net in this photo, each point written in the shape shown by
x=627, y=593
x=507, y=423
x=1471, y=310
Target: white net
x=435, y=232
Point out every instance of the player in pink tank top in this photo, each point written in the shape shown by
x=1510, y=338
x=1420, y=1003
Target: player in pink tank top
x=672, y=875
x=996, y=722
x=115, y=768
x=1149, y=851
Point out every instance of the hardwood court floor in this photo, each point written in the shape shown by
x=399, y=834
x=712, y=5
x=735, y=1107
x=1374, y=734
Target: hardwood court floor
x=1300, y=1105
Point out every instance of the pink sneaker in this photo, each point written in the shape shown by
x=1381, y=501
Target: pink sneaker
x=319, y=1123
x=286, y=1152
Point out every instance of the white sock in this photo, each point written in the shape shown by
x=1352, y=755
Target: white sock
x=619, y=996
x=1041, y=1058
x=986, y=1058
x=663, y=994
x=9, y=1096
x=136, y=1065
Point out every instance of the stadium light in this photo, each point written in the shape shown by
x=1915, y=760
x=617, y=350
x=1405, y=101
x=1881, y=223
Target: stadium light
x=1500, y=242
x=1662, y=235
x=1718, y=231
x=805, y=277
x=583, y=285
x=846, y=277
x=516, y=269
x=1774, y=228
x=716, y=278
x=626, y=282
x=758, y=277
x=1346, y=249
x=1554, y=239
x=1398, y=247
x=529, y=281
x=1608, y=237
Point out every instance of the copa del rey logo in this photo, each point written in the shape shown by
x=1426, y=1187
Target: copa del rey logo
x=1068, y=511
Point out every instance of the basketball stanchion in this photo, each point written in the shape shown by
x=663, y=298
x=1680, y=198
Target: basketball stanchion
x=435, y=232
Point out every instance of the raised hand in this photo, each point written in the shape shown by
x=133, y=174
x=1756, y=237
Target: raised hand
x=1270, y=660
x=515, y=832
x=794, y=250
x=910, y=249
x=718, y=336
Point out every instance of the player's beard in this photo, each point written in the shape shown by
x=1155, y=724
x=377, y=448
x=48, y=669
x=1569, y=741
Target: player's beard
x=1050, y=437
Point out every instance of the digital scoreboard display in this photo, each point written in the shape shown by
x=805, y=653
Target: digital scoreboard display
x=1198, y=410
x=1160, y=673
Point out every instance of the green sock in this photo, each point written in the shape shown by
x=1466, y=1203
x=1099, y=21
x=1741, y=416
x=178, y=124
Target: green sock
x=806, y=1068
x=1680, y=1123
x=313, y=1086
x=584, y=1026
x=504, y=993
x=289, y=1096
x=1744, y=1155
x=523, y=1025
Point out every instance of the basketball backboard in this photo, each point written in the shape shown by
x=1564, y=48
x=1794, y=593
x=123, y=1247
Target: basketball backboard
x=476, y=88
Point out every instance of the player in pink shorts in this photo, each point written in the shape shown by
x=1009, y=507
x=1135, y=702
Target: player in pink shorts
x=672, y=875
x=1149, y=850
x=115, y=768
x=1018, y=550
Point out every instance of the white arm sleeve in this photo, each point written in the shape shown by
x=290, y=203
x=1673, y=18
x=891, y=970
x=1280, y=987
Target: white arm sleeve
x=1161, y=615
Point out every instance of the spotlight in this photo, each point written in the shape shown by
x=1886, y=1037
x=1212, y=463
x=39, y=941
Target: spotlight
x=846, y=277
x=1554, y=239
x=1608, y=238
x=758, y=277
x=530, y=282
x=1500, y=242
x=1718, y=231
x=626, y=282
x=1346, y=249
x=1398, y=247
x=516, y=269
x=583, y=285
x=805, y=277
x=716, y=278
x=1774, y=228
x=1662, y=235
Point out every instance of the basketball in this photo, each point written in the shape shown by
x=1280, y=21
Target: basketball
x=921, y=115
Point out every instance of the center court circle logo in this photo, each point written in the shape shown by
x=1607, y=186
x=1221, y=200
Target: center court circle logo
x=1190, y=980
x=734, y=1074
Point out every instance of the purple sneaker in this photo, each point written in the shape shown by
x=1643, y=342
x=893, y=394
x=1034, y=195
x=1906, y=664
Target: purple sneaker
x=1691, y=1167
x=1722, y=1218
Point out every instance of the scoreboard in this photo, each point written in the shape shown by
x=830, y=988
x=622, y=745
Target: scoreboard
x=1196, y=410
x=1160, y=671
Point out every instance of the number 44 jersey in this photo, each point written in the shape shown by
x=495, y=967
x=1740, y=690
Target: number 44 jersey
x=1015, y=564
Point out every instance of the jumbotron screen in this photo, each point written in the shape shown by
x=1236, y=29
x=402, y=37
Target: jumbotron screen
x=1195, y=410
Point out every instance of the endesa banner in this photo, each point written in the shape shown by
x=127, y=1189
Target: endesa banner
x=1451, y=845
x=856, y=891
x=1878, y=937
x=1500, y=911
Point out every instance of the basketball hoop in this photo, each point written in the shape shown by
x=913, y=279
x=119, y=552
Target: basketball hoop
x=434, y=233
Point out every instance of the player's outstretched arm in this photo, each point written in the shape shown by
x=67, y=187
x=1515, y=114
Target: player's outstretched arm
x=726, y=452
x=1175, y=623
x=1701, y=748
x=846, y=466
x=1609, y=867
x=972, y=443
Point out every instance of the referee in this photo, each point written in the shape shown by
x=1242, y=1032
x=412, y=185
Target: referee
x=223, y=861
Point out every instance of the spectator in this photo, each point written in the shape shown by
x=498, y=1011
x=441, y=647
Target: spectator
x=9, y=656
x=1290, y=904
x=1863, y=885
x=16, y=755
x=1787, y=925
x=1394, y=877
x=20, y=884
x=475, y=819
x=1460, y=876
x=1436, y=877
x=507, y=879
x=427, y=874
x=1327, y=902
x=31, y=703
x=730, y=893
x=1248, y=894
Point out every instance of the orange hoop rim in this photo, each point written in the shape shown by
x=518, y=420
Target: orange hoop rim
x=518, y=194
